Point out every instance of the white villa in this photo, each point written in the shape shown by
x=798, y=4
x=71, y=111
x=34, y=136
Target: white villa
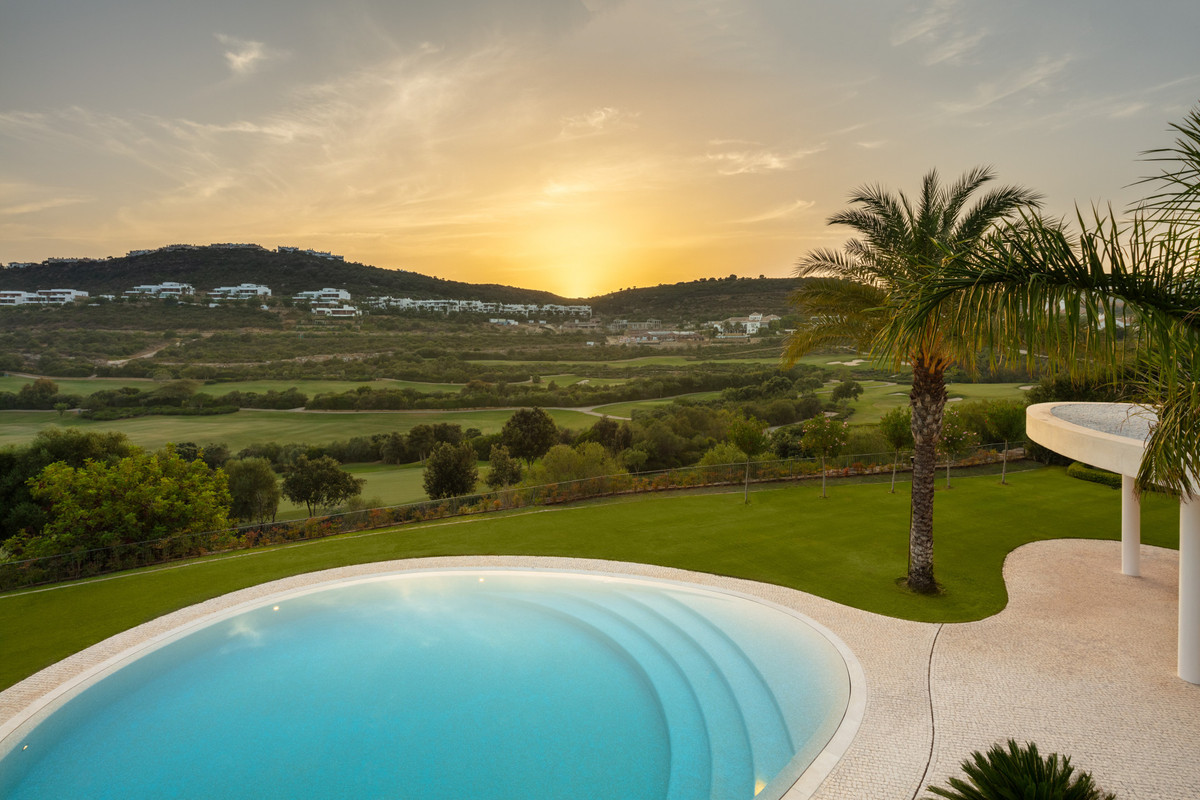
x=44, y=297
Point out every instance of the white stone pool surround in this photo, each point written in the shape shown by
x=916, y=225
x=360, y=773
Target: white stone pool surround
x=1079, y=662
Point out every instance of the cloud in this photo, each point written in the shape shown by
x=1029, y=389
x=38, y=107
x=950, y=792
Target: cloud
x=244, y=56
x=740, y=162
x=938, y=15
x=779, y=212
x=1035, y=78
x=941, y=32
x=34, y=206
x=597, y=121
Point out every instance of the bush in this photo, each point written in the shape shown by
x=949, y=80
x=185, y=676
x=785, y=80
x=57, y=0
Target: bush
x=1094, y=474
x=1019, y=772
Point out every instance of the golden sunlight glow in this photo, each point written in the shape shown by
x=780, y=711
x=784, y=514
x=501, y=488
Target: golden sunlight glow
x=579, y=258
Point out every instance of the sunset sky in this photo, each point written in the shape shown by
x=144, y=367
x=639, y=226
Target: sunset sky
x=578, y=146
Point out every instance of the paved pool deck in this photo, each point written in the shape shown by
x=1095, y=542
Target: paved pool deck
x=1081, y=661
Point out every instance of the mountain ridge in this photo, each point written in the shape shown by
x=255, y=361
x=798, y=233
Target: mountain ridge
x=287, y=273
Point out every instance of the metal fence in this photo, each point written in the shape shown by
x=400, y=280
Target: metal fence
x=859, y=468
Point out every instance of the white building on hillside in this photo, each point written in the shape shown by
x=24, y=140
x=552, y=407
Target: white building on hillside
x=243, y=291
x=323, y=298
x=166, y=289
x=43, y=297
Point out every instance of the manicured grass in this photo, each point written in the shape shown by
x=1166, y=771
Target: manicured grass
x=389, y=484
x=85, y=386
x=626, y=409
x=878, y=398
x=248, y=426
x=850, y=548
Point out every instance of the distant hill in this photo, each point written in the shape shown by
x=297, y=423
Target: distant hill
x=287, y=273
x=711, y=299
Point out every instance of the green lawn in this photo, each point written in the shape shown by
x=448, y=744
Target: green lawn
x=850, y=548
x=878, y=397
x=249, y=426
x=85, y=386
x=388, y=484
x=627, y=409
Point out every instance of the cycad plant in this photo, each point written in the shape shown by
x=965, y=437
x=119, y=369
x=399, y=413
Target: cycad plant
x=1019, y=773
x=853, y=296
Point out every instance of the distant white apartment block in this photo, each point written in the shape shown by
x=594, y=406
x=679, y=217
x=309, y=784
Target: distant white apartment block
x=21, y=265
x=323, y=298
x=44, y=297
x=243, y=291
x=527, y=310
x=336, y=312
x=166, y=289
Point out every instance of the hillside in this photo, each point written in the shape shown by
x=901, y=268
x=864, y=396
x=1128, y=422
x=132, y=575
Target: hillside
x=289, y=273
x=285, y=273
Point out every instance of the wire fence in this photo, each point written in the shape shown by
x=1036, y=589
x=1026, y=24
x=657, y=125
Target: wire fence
x=858, y=468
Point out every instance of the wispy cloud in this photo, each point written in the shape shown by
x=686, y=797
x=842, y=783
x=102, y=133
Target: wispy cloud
x=779, y=212
x=740, y=162
x=243, y=56
x=34, y=206
x=597, y=121
x=943, y=34
x=1035, y=78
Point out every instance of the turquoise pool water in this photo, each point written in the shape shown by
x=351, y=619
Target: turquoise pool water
x=487, y=684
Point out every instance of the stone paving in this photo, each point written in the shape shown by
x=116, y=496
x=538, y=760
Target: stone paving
x=1081, y=661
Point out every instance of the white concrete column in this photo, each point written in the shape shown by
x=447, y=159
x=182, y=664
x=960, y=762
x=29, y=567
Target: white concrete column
x=1189, y=589
x=1131, y=528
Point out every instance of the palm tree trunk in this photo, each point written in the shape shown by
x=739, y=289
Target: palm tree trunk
x=928, y=400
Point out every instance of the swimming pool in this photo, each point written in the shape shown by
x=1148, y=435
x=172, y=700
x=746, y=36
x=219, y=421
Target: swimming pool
x=464, y=683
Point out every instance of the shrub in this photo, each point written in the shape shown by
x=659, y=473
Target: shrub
x=1019, y=772
x=1094, y=474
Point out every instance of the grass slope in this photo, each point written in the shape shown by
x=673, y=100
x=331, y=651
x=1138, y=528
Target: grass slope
x=850, y=548
x=248, y=426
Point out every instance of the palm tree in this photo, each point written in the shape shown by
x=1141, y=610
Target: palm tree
x=1118, y=292
x=853, y=296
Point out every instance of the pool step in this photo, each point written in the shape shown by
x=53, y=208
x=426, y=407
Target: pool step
x=732, y=738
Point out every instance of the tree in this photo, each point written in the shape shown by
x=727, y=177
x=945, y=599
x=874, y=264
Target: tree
x=957, y=439
x=896, y=427
x=826, y=437
x=846, y=390
x=1006, y=423
x=319, y=483
x=72, y=446
x=450, y=471
x=1115, y=292
x=855, y=297
x=529, y=433
x=503, y=469
x=141, y=497
x=563, y=463
x=748, y=436
x=253, y=489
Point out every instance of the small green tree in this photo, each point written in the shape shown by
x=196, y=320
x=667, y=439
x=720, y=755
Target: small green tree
x=826, y=437
x=62, y=408
x=749, y=436
x=319, y=483
x=846, y=390
x=1006, y=423
x=896, y=427
x=450, y=471
x=957, y=439
x=1020, y=772
x=503, y=469
x=529, y=433
x=253, y=489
